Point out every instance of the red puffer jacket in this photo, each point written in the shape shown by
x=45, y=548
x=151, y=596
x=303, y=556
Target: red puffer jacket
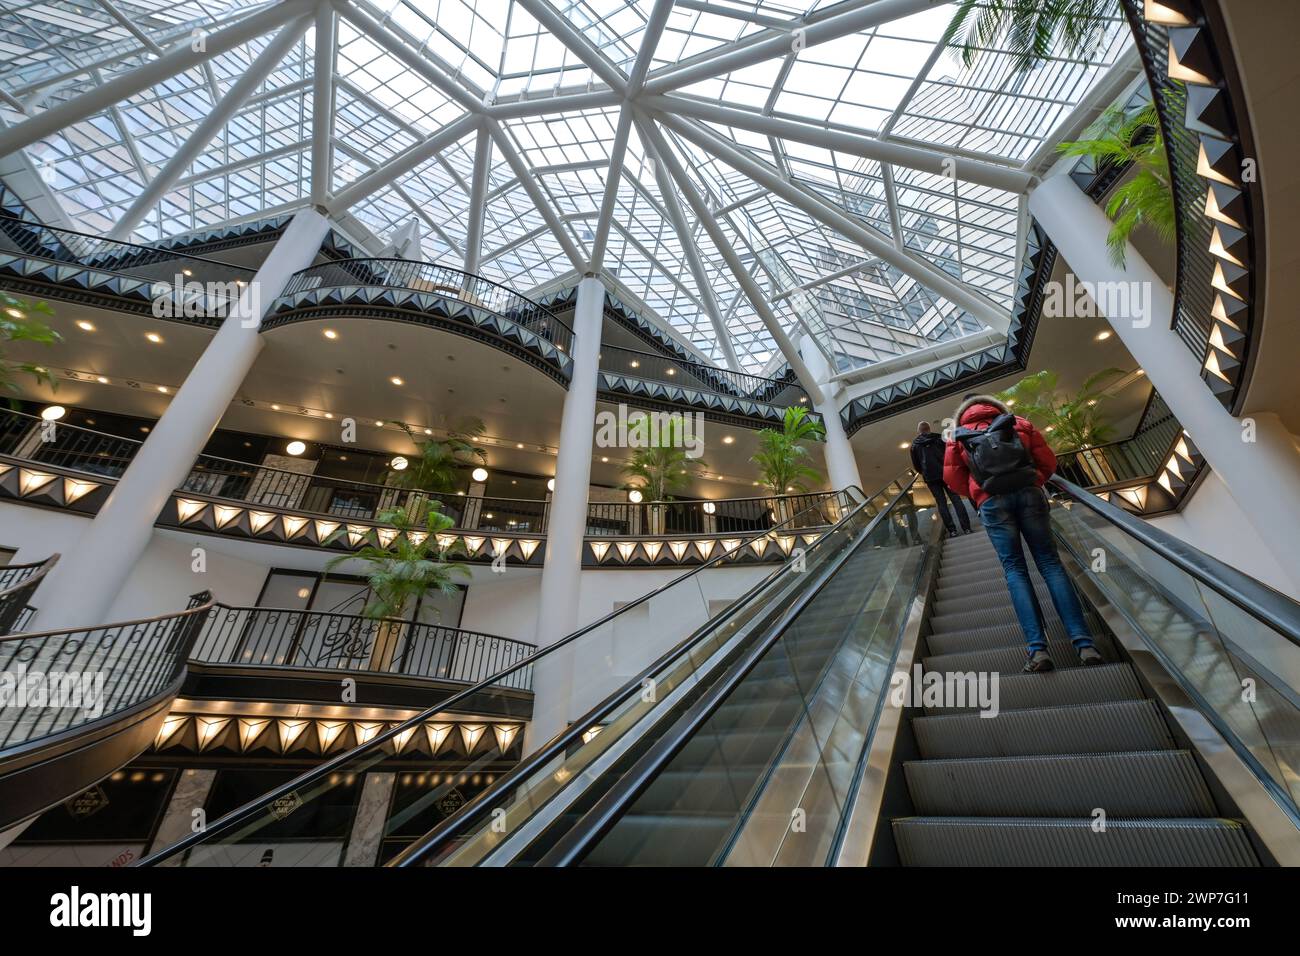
x=976, y=412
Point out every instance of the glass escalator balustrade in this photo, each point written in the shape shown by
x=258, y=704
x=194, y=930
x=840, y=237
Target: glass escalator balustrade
x=1241, y=670
x=623, y=667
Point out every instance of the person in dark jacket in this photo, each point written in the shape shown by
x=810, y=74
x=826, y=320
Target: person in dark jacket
x=927, y=461
x=1023, y=513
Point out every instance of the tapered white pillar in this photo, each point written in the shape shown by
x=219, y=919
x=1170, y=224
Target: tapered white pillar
x=1255, y=456
x=841, y=465
x=566, y=525
x=81, y=589
x=567, y=520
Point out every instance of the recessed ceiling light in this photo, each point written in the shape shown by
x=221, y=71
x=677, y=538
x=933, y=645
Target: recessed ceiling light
x=396, y=381
x=52, y=413
x=296, y=447
x=904, y=444
x=187, y=272
x=329, y=415
x=636, y=364
x=379, y=424
x=163, y=389
x=519, y=444
x=330, y=334
x=101, y=379
x=1140, y=371
x=728, y=439
x=15, y=313
x=550, y=484
x=479, y=474
x=428, y=431
x=275, y=408
x=85, y=326
x=1103, y=335
x=603, y=458
x=399, y=463
x=154, y=337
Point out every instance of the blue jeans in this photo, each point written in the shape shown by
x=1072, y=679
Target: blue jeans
x=1007, y=518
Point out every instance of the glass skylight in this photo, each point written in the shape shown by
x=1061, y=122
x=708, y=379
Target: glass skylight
x=549, y=77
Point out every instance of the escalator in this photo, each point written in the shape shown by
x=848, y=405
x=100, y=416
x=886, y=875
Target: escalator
x=770, y=734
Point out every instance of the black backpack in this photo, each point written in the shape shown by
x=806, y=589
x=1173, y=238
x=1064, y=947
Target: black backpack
x=998, y=459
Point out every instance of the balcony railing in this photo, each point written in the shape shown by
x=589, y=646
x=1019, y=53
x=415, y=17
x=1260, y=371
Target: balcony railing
x=727, y=516
x=436, y=280
x=212, y=285
x=17, y=584
x=1140, y=456
x=318, y=640
x=687, y=374
x=131, y=662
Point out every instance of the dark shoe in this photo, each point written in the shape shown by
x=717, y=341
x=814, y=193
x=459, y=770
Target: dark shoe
x=1090, y=657
x=953, y=534
x=1038, y=663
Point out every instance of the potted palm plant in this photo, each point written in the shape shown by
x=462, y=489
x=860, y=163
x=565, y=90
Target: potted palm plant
x=661, y=470
x=19, y=324
x=435, y=467
x=1073, y=421
x=1032, y=31
x=412, y=567
x=783, y=457
x=1145, y=196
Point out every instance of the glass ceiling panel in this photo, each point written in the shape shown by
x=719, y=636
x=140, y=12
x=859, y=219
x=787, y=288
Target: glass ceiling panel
x=890, y=81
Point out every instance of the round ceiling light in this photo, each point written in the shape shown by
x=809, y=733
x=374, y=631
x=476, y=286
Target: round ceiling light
x=296, y=447
x=52, y=413
x=479, y=474
x=709, y=507
x=550, y=484
x=399, y=463
x=634, y=496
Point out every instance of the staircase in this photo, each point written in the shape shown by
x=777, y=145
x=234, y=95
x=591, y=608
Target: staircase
x=1023, y=788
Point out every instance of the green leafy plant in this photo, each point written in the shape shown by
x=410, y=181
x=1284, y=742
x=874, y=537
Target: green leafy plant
x=1145, y=197
x=19, y=323
x=1071, y=421
x=660, y=470
x=782, y=457
x=437, y=462
x=406, y=571
x=1032, y=31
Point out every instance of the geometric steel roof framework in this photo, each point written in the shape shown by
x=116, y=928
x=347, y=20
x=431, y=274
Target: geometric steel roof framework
x=752, y=171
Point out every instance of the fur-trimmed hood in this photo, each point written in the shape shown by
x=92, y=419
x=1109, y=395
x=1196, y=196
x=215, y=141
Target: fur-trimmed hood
x=996, y=403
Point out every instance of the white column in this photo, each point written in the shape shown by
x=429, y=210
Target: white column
x=557, y=610
x=1262, y=475
x=841, y=465
x=81, y=589
x=566, y=525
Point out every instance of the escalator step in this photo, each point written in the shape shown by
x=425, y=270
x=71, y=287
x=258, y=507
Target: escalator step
x=661, y=839
x=993, y=595
x=1009, y=660
x=987, y=616
x=1156, y=783
x=988, y=638
x=986, y=573
x=1077, y=685
x=1084, y=728
x=957, y=841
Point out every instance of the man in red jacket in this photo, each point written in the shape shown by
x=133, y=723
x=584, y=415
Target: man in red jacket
x=1012, y=514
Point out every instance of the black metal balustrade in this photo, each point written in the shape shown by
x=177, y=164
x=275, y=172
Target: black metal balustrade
x=1140, y=456
x=326, y=640
x=697, y=375
x=17, y=584
x=727, y=516
x=94, y=672
x=436, y=280
x=206, y=282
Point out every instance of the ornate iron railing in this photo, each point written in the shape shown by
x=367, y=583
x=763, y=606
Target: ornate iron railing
x=321, y=640
x=17, y=584
x=93, y=672
x=1139, y=456
x=436, y=280
x=202, y=278
x=670, y=370
x=726, y=516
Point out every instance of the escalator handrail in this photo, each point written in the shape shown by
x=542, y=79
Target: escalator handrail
x=1257, y=599
x=486, y=800
x=243, y=813
x=595, y=823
